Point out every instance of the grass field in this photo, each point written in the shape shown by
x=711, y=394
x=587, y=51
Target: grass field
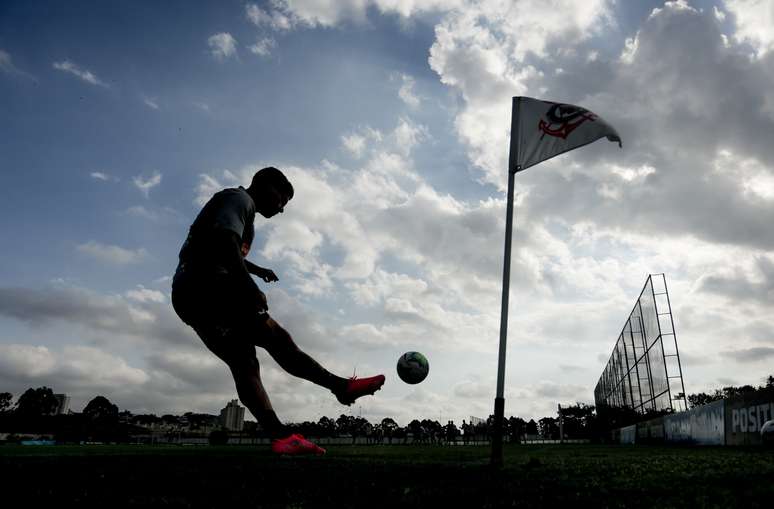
x=389, y=476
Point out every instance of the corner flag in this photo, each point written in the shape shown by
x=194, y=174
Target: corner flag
x=540, y=130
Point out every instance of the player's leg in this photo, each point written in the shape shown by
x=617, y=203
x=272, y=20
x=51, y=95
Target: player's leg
x=280, y=345
x=225, y=333
x=252, y=394
x=247, y=378
x=239, y=355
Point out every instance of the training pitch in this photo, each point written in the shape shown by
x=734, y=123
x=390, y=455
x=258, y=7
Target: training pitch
x=394, y=476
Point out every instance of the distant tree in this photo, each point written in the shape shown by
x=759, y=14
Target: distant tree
x=549, y=428
x=389, y=427
x=5, y=401
x=146, y=420
x=36, y=402
x=702, y=398
x=432, y=430
x=415, y=428
x=101, y=409
x=195, y=421
x=578, y=420
x=170, y=420
x=360, y=427
x=732, y=391
x=326, y=426
x=345, y=424
x=516, y=428
x=532, y=427
x=611, y=417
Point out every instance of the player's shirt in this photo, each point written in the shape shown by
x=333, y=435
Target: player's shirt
x=208, y=249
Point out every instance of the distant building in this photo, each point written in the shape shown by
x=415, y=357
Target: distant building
x=63, y=404
x=232, y=417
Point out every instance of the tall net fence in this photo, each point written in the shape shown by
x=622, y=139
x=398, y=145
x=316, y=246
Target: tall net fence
x=644, y=371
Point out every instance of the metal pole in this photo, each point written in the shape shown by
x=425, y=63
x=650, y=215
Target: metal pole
x=674, y=337
x=499, y=403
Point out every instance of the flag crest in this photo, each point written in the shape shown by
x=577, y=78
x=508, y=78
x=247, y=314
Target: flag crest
x=542, y=129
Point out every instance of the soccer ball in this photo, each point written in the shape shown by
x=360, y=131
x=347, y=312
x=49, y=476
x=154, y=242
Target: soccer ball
x=413, y=367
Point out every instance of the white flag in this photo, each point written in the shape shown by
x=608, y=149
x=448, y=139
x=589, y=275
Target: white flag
x=541, y=130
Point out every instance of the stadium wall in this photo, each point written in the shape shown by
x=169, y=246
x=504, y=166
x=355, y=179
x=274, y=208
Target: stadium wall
x=628, y=434
x=651, y=432
x=704, y=425
x=731, y=421
x=745, y=414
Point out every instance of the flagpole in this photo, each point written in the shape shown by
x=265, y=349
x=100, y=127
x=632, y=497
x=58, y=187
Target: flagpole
x=499, y=403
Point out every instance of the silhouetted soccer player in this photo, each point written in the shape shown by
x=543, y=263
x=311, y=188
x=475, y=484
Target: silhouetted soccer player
x=212, y=291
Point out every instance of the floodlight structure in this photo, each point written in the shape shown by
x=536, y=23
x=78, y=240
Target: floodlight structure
x=644, y=372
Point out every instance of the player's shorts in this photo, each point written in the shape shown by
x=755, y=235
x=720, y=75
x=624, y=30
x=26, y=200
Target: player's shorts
x=229, y=325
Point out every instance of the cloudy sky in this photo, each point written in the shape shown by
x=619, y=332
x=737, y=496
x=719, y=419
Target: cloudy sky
x=391, y=118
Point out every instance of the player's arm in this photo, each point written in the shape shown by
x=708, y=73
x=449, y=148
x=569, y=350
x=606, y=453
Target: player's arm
x=230, y=245
x=267, y=275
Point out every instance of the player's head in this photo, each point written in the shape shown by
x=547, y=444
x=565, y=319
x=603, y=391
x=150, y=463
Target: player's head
x=271, y=191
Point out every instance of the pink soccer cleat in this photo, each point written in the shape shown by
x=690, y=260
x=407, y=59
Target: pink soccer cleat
x=295, y=445
x=357, y=387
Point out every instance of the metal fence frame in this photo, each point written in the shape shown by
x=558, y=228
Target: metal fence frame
x=644, y=371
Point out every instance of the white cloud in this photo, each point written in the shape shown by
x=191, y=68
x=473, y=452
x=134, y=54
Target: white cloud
x=406, y=92
x=222, y=45
x=630, y=49
x=356, y=143
x=98, y=175
x=481, y=51
x=408, y=135
x=92, y=367
x=162, y=215
x=754, y=22
x=676, y=5
x=79, y=371
x=275, y=18
x=284, y=15
x=150, y=102
x=26, y=360
x=146, y=184
x=84, y=74
x=5, y=62
x=263, y=47
x=209, y=185
x=142, y=294
x=110, y=254
x=719, y=15
x=754, y=179
x=7, y=66
x=633, y=174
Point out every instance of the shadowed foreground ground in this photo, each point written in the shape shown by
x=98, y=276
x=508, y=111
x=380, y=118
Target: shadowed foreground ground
x=389, y=476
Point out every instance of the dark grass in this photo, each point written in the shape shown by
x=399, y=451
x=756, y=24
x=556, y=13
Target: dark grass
x=389, y=476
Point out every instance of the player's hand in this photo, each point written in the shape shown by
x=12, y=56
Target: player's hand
x=268, y=275
x=263, y=305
